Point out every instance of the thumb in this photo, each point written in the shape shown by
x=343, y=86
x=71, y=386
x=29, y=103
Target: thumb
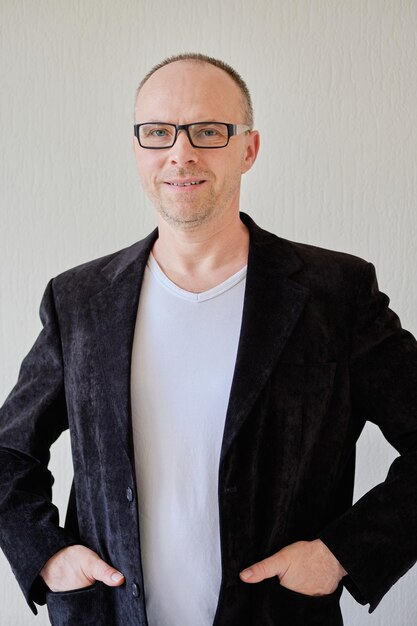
x=102, y=571
x=274, y=565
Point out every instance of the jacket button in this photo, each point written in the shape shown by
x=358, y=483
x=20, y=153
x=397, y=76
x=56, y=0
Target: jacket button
x=129, y=494
x=135, y=590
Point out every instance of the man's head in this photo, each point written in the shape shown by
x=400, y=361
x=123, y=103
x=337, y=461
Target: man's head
x=183, y=90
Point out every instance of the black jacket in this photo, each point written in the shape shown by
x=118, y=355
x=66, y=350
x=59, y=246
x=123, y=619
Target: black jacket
x=320, y=352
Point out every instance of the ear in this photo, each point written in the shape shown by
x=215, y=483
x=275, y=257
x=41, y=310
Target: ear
x=251, y=151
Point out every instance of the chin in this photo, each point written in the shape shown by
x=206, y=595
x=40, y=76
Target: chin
x=186, y=218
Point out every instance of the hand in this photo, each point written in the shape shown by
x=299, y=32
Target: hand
x=76, y=567
x=306, y=567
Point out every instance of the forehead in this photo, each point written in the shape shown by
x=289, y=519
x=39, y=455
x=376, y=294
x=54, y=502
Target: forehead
x=189, y=91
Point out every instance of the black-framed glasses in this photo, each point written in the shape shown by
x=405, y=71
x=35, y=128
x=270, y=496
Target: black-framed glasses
x=158, y=135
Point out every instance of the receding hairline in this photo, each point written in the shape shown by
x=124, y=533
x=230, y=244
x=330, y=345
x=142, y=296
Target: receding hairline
x=204, y=59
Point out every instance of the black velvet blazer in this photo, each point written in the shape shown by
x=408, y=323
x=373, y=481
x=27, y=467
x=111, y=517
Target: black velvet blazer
x=320, y=352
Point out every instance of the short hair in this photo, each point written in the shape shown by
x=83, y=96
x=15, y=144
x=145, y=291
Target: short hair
x=203, y=58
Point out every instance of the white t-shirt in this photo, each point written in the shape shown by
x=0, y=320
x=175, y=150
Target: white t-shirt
x=184, y=354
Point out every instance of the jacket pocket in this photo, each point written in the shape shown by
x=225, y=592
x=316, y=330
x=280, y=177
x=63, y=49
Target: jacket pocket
x=80, y=607
x=291, y=608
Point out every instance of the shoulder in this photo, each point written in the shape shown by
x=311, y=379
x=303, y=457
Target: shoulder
x=336, y=273
x=87, y=275
x=82, y=281
x=306, y=263
x=317, y=258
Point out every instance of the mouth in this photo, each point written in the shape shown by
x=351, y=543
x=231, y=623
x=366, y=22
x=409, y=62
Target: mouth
x=184, y=183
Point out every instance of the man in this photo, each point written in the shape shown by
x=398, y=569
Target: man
x=215, y=379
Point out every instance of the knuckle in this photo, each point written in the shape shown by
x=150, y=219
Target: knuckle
x=107, y=571
x=263, y=569
x=100, y=569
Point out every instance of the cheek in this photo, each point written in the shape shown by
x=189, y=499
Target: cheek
x=147, y=170
x=146, y=160
x=232, y=172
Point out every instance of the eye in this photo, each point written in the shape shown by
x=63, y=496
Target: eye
x=156, y=131
x=208, y=132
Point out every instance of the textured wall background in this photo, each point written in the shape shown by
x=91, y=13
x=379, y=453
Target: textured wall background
x=335, y=90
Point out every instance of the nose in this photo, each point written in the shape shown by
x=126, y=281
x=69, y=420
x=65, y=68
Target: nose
x=182, y=151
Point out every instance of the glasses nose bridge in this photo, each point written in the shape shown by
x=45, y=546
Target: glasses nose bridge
x=185, y=128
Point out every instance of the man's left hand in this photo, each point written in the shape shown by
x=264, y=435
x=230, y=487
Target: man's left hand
x=306, y=567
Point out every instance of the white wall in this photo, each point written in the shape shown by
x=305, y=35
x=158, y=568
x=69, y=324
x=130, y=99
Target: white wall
x=335, y=91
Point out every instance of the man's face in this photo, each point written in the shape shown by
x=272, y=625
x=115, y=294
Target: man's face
x=181, y=93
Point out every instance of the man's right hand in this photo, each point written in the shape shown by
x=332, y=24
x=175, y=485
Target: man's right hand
x=76, y=567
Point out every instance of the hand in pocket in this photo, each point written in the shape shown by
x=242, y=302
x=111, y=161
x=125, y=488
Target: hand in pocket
x=76, y=567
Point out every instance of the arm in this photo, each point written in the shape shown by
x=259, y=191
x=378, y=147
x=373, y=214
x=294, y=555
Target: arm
x=32, y=418
x=375, y=540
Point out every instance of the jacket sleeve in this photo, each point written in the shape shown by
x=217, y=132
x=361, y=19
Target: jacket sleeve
x=376, y=539
x=31, y=419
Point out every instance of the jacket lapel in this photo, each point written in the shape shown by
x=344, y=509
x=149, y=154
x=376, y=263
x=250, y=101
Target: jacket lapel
x=272, y=306
x=114, y=311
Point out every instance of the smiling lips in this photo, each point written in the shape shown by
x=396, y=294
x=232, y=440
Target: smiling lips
x=184, y=183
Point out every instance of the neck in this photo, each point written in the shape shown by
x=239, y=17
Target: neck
x=201, y=259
